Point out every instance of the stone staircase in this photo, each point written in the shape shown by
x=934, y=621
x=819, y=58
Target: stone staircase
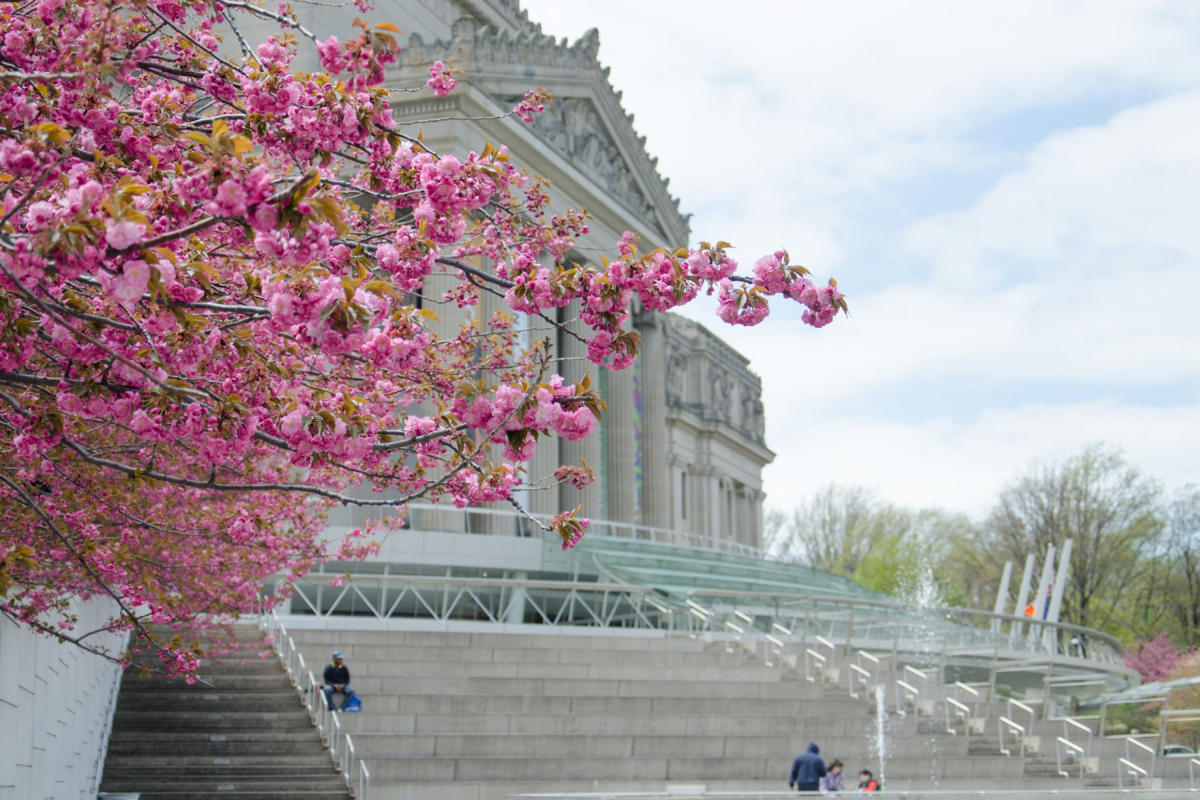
x=478, y=715
x=241, y=734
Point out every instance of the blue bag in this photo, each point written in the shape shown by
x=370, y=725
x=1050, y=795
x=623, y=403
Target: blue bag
x=353, y=705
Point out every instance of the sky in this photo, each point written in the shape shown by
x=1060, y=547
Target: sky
x=1007, y=193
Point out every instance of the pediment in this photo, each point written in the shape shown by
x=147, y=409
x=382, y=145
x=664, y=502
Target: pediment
x=585, y=124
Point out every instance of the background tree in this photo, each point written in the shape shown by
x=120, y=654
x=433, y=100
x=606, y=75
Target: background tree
x=206, y=334
x=1181, y=591
x=832, y=530
x=910, y=554
x=1102, y=503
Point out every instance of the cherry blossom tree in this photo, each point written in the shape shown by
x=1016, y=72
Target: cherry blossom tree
x=207, y=329
x=1154, y=659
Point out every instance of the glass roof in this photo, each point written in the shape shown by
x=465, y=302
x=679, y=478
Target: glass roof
x=682, y=571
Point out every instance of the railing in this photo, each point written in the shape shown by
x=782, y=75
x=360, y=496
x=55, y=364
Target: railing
x=856, y=675
x=1073, y=750
x=812, y=657
x=329, y=726
x=852, y=622
x=1192, y=764
x=1015, y=705
x=906, y=694
x=860, y=674
x=1127, y=767
x=1008, y=727
x=435, y=518
x=956, y=709
x=891, y=626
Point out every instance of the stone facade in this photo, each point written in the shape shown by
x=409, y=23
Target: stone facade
x=681, y=446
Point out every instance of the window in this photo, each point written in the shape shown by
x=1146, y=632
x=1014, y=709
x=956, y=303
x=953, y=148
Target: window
x=683, y=495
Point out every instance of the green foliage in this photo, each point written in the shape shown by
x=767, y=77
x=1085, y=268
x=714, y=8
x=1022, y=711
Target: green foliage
x=1135, y=565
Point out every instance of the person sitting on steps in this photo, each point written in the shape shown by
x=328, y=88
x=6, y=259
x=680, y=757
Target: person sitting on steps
x=337, y=679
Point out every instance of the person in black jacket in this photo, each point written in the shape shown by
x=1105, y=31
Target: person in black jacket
x=337, y=679
x=807, y=770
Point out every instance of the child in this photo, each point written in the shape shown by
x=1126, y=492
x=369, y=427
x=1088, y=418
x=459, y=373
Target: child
x=866, y=783
x=833, y=781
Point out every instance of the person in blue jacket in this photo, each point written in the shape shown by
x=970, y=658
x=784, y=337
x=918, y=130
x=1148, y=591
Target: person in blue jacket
x=807, y=770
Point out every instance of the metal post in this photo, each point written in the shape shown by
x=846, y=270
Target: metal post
x=1060, y=582
x=1023, y=593
x=1002, y=594
x=1043, y=588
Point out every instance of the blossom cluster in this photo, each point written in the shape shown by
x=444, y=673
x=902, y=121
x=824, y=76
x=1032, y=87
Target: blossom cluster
x=216, y=281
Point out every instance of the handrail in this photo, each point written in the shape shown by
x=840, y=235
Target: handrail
x=1020, y=705
x=971, y=690
x=896, y=605
x=1077, y=724
x=1129, y=767
x=1127, y=761
x=1075, y=752
x=1071, y=745
x=962, y=710
x=1192, y=764
x=328, y=725
x=1133, y=741
x=911, y=693
x=1014, y=726
x=863, y=676
x=364, y=780
x=1019, y=730
x=809, y=655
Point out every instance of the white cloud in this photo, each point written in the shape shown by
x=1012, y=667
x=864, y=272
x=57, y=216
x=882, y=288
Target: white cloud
x=810, y=125
x=1098, y=201
x=963, y=466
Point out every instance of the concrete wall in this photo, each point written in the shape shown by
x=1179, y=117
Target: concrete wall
x=56, y=703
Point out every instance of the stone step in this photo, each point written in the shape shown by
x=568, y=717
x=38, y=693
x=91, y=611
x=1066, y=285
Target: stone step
x=628, y=671
x=262, y=744
x=209, y=700
x=321, y=774
x=235, y=786
x=566, y=723
x=317, y=760
x=660, y=688
x=208, y=668
x=215, y=721
x=247, y=794
x=505, y=651
x=592, y=746
x=190, y=738
x=480, y=702
x=223, y=682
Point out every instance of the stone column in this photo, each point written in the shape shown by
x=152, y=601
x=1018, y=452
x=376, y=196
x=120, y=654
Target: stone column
x=573, y=365
x=621, y=446
x=540, y=469
x=655, y=494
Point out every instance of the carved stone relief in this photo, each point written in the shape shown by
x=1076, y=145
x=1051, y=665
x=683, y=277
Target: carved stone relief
x=573, y=128
x=676, y=376
x=722, y=394
x=752, y=410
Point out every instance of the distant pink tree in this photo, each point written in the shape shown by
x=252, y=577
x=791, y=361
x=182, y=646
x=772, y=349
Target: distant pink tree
x=1154, y=659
